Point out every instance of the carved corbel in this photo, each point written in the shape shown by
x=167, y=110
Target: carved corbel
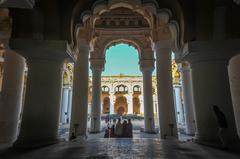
x=161, y=30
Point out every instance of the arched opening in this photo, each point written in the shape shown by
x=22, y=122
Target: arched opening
x=136, y=105
x=106, y=105
x=121, y=106
x=121, y=59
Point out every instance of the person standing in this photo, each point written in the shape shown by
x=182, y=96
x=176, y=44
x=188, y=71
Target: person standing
x=222, y=123
x=125, y=130
x=129, y=129
x=119, y=129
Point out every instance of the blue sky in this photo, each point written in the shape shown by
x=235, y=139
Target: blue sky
x=122, y=59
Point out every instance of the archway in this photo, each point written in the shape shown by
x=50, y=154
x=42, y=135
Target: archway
x=136, y=105
x=121, y=105
x=106, y=105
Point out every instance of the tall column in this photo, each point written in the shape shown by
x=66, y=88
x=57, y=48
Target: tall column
x=211, y=87
x=11, y=96
x=12, y=84
x=40, y=119
x=178, y=104
x=69, y=105
x=64, y=104
x=130, y=103
x=97, y=66
x=80, y=92
x=141, y=104
x=234, y=78
x=188, y=98
x=147, y=67
x=167, y=118
x=112, y=103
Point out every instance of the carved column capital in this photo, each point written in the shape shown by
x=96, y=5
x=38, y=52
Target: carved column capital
x=147, y=65
x=97, y=64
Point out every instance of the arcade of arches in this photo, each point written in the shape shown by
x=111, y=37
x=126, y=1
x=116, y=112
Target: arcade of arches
x=40, y=39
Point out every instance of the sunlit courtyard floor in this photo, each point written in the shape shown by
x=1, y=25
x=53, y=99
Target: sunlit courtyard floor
x=141, y=146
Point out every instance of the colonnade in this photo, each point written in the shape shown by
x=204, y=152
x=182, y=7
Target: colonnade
x=43, y=112
x=205, y=83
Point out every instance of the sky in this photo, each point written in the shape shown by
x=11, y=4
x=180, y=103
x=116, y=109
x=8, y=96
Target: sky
x=122, y=59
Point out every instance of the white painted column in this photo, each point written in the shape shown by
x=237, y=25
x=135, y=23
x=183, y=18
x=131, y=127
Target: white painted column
x=178, y=105
x=40, y=117
x=147, y=67
x=188, y=98
x=69, y=111
x=234, y=79
x=79, y=115
x=141, y=104
x=11, y=96
x=167, y=118
x=96, y=100
x=130, y=103
x=64, y=104
x=41, y=113
x=112, y=96
x=211, y=87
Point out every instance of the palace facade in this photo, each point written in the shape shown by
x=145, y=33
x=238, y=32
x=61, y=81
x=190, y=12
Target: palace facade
x=122, y=94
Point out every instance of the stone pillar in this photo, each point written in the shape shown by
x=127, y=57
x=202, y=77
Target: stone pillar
x=64, y=104
x=69, y=105
x=130, y=103
x=11, y=96
x=234, y=79
x=40, y=119
x=211, y=87
x=167, y=117
x=141, y=104
x=97, y=66
x=112, y=103
x=80, y=92
x=12, y=84
x=178, y=105
x=188, y=98
x=147, y=67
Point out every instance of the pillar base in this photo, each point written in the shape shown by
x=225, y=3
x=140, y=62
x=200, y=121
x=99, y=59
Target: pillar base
x=214, y=141
x=80, y=139
x=35, y=143
x=149, y=132
x=94, y=132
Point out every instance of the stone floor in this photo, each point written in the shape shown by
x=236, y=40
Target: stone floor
x=121, y=148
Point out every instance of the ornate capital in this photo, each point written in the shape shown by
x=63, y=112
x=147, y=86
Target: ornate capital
x=162, y=31
x=147, y=65
x=47, y=49
x=163, y=44
x=97, y=64
x=207, y=51
x=84, y=36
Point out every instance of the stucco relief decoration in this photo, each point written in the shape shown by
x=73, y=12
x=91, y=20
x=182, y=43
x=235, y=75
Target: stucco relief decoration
x=133, y=22
x=175, y=73
x=68, y=74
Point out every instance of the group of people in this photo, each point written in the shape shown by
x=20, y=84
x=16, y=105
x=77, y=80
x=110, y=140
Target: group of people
x=119, y=129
